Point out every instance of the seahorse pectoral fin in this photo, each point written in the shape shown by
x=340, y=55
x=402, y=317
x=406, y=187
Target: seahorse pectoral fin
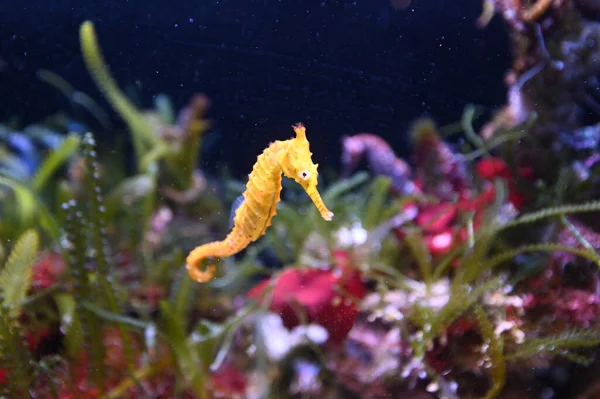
x=193, y=263
x=314, y=195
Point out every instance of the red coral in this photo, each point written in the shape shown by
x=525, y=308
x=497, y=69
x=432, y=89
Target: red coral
x=47, y=271
x=314, y=292
x=229, y=381
x=492, y=168
x=440, y=223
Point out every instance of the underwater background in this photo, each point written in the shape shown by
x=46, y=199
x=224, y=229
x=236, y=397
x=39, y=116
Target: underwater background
x=300, y=199
x=338, y=66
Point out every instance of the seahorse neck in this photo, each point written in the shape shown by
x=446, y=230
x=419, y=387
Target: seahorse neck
x=272, y=153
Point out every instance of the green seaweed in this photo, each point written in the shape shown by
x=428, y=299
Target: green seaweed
x=56, y=159
x=416, y=244
x=143, y=135
x=188, y=361
x=495, y=352
x=75, y=96
x=26, y=210
x=83, y=291
x=16, y=273
x=558, y=344
x=70, y=323
x=14, y=356
x=97, y=227
x=372, y=216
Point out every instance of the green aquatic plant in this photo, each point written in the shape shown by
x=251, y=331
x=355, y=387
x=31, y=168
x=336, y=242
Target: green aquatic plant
x=470, y=273
x=495, y=352
x=145, y=140
x=16, y=273
x=86, y=329
x=15, y=280
x=562, y=344
x=150, y=131
x=75, y=96
x=27, y=204
x=352, y=199
x=97, y=227
x=15, y=357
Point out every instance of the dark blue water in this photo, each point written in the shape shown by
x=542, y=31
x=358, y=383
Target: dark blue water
x=340, y=67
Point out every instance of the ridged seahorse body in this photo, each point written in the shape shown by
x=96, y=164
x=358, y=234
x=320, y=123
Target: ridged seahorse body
x=291, y=158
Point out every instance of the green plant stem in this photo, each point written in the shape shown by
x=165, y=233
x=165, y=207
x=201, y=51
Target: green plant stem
x=139, y=375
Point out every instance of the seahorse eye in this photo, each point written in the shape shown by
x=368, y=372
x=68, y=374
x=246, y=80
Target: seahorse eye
x=304, y=174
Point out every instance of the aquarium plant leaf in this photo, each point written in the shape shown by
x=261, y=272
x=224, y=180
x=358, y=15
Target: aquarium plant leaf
x=533, y=217
x=188, y=359
x=75, y=246
x=467, y=125
x=195, y=128
x=30, y=206
x=558, y=344
x=375, y=206
x=70, y=325
x=581, y=239
x=96, y=209
x=494, y=351
x=15, y=277
x=143, y=135
x=181, y=294
x=55, y=160
x=502, y=257
x=25, y=200
x=164, y=108
x=127, y=192
x=15, y=357
x=418, y=247
x=75, y=96
x=337, y=189
x=462, y=297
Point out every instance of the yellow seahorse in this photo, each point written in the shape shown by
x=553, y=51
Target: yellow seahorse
x=291, y=158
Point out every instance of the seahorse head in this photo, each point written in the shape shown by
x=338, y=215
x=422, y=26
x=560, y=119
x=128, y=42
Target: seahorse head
x=297, y=164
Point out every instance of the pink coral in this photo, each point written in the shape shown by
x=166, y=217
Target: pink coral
x=314, y=292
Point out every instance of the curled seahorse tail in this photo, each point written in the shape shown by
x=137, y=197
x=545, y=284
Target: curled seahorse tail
x=233, y=244
x=194, y=262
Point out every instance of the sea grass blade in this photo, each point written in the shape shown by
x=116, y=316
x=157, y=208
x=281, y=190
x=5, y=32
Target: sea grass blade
x=54, y=161
x=143, y=136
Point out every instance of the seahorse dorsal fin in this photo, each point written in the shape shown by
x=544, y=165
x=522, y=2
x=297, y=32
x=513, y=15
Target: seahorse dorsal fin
x=234, y=207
